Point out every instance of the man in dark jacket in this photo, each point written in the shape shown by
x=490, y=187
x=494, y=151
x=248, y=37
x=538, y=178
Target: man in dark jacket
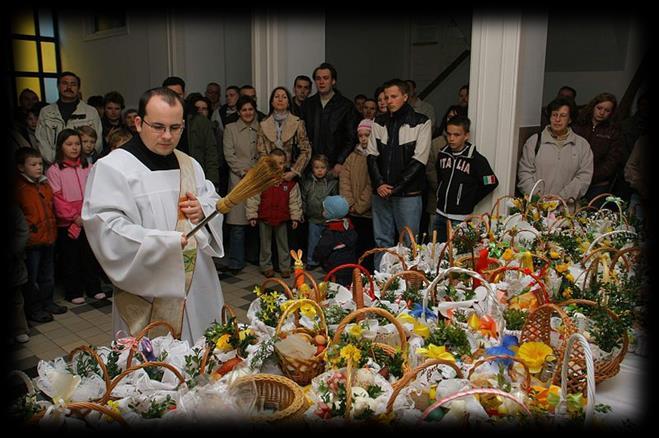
x=330, y=118
x=464, y=176
x=398, y=150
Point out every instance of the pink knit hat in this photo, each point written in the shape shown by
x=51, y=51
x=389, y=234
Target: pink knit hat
x=365, y=124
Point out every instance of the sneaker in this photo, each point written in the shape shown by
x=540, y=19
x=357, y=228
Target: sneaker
x=269, y=273
x=40, y=316
x=55, y=309
x=100, y=296
x=22, y=338
x=285, y=274
x=78, y=300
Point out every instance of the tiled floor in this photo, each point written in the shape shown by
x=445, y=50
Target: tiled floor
x=91, y=323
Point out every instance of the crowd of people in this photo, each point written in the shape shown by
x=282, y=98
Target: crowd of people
x=97, y=181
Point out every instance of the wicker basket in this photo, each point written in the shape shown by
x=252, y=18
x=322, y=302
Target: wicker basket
x=141, y=334
x=406, y=230
x=209, y=348
x=413, y=279
x=526, y=385
x=542, y=296
x=609, y=367
x=117, y=379
x=278, y=393
x=388, y=349
x=374, y=251
x=99, y=361
x=301, y=371
x=410, y=376
x=537, y=328
x=578, y=373
x=371, y=292
x=475, y=391
x=286, y=289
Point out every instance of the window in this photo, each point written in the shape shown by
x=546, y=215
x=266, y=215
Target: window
x=104, y=25
x=35, y=57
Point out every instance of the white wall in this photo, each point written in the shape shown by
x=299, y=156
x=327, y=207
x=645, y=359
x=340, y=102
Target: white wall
x=201, y=49
x=129, y=63
x=607, y=50
x=305, y=46
x=366, y=52
x=531, y=70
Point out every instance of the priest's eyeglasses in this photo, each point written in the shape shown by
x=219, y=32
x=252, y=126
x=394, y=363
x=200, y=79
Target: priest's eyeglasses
x=161, y=129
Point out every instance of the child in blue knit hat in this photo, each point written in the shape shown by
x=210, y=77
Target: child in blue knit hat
x=338, y=241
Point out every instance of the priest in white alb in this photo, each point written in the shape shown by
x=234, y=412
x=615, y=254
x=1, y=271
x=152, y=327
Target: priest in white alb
x=140, y=201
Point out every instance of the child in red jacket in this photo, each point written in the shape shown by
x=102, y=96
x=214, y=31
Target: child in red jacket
x=272, y=209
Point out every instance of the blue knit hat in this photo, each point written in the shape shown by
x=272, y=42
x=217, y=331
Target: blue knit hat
x=336, y=207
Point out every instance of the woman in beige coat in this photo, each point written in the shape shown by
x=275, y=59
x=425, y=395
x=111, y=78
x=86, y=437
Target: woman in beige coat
x=283, y=130
x=240, y=153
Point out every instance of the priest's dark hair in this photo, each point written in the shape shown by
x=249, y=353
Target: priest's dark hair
x=165, y=93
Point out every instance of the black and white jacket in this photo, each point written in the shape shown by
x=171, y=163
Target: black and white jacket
x=398, y=150
x=465, y=178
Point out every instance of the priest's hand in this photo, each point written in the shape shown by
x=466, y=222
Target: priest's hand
x=184, y=241
x=191, y=208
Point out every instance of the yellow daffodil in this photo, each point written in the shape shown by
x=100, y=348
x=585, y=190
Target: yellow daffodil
x=114, y=407
x=569, y=277
x=533, y=355
x=308, y=310
x=355, y=331
x=508, y=254
x=224, y=344
x=562, y=267
x=285, y=305
x=474, y=322
x=421, y=330
x=418, y=328
x=432, y=394
x=546, y=397
x=350, y=352
x=435, y=352
x=244, y=333
x=527, y=260
x=257, y=291
x=567, y=293
x=554, y=255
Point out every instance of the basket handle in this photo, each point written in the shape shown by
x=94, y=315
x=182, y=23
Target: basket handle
x=314, y=286
x=99, y=361
x=625, y=337
x=475, y=391
x=623, y=217
x=376, y=310
x=390, y=280
x=280, y=282
x=371, y=292
x=543, y=289
x=407, y=230
x=441, y=276
x=388, y=251
x=590, y=373
x=143, y=332
x=117, y=379
x=78, y=406
x=610, y=233
x=622, y=253
x=411, y=375
x=527, y=381
x=296, y=304
x=494, y=213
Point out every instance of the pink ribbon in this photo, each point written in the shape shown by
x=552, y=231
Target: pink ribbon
x=124, y=343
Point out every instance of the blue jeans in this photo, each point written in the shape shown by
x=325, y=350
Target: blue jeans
x=40, y=262
x=315, y=230
x=237, y=246
x=439, y=224
x=390, y=216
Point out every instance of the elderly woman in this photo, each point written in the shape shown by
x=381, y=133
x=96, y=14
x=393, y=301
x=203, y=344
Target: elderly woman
x=240, y=154
x=283, y=130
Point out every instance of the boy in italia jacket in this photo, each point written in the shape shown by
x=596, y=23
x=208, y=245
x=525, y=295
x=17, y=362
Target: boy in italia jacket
x=465, y=176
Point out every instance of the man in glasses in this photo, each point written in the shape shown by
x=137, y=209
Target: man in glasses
x=140, y=202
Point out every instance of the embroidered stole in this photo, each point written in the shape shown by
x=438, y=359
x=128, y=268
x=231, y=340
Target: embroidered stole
x=136, y=311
